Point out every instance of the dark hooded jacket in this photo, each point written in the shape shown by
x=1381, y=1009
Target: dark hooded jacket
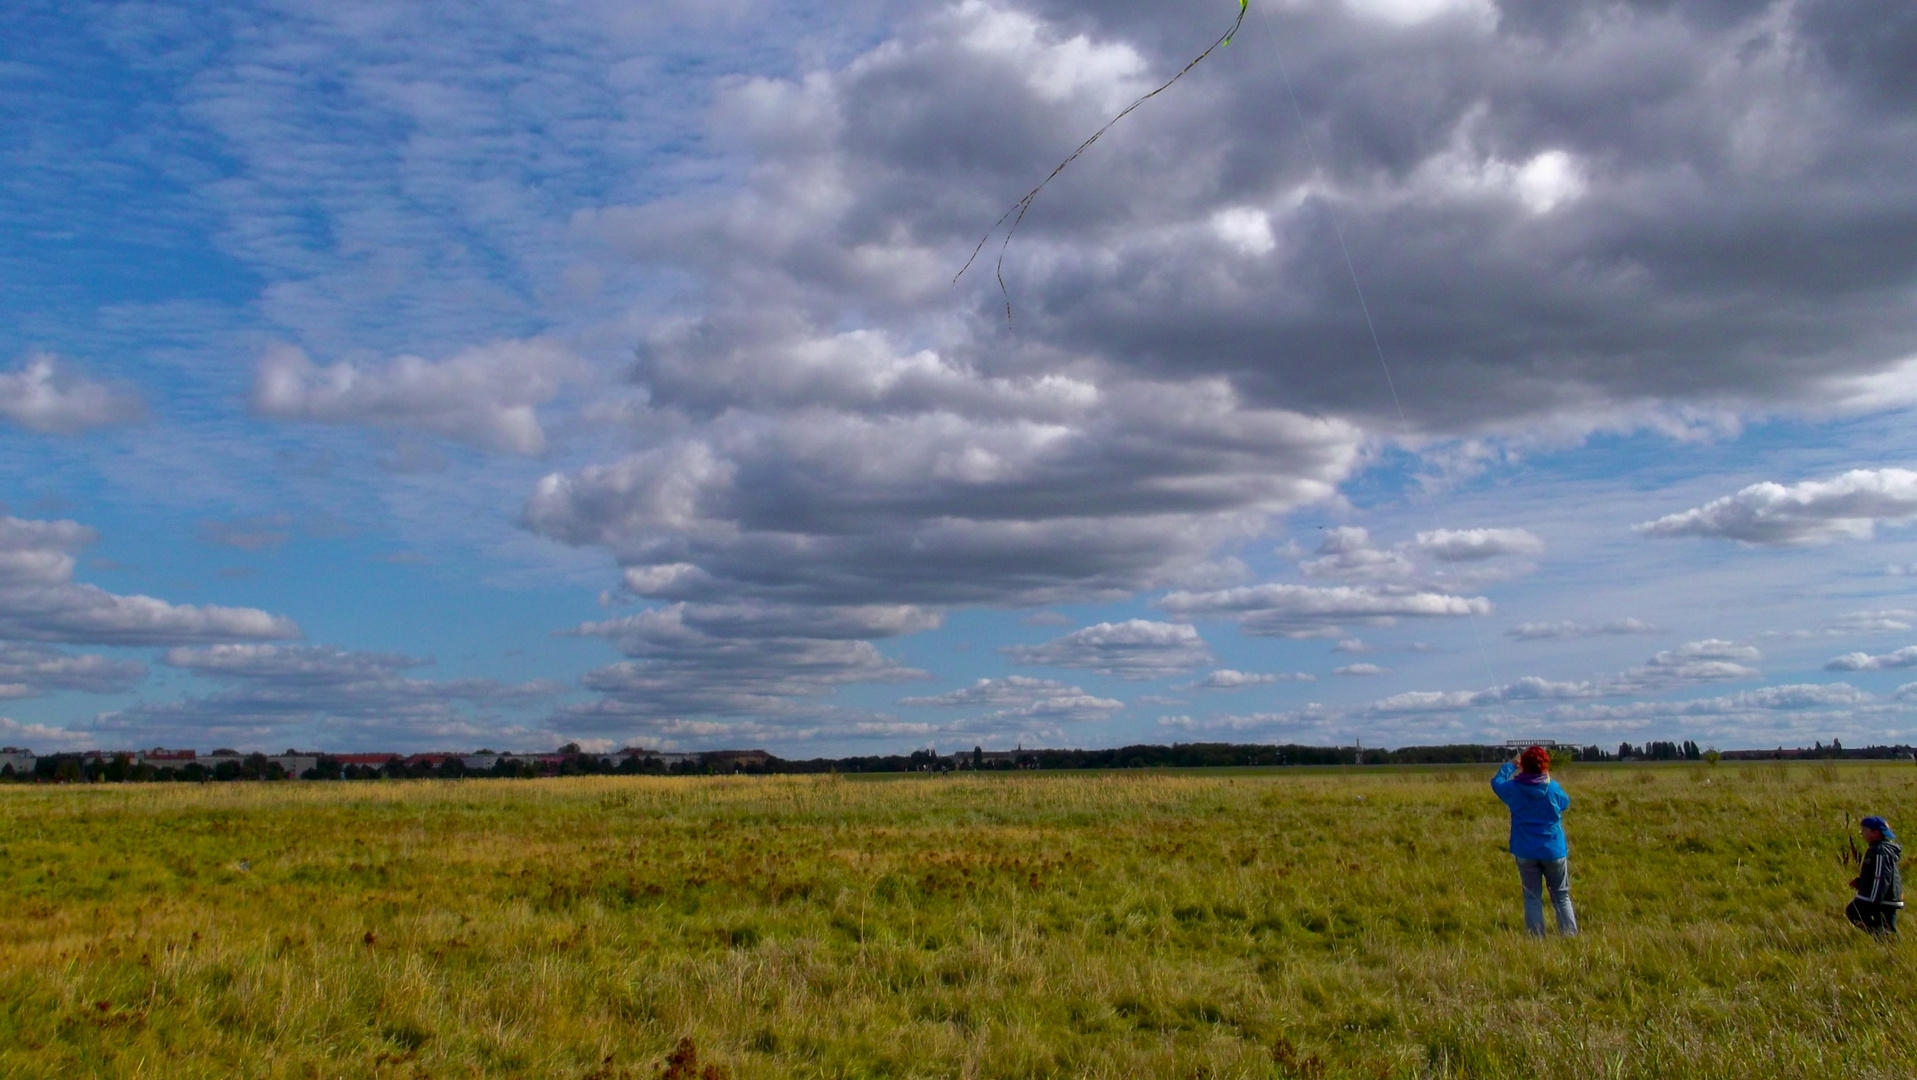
x=1878, y=881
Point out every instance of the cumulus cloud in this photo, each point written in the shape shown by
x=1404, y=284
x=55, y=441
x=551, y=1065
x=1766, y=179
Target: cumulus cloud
x=1887, y=621
x=318, y=689
x=1301, y=611
x=40, y=601
x=1133, y=649
x=1133, y=488
x=43, y=395
x=1023, y=697
x=1200, y=242
x=1709, y=660
x=41, y=737
x=1790, y=698
x=1471, y=545
x=827, y=422
x=1529, y=688
x=29, y=670
x=1360, y=669
x=1570, y=630
x=1227, y=679
x=1859, y=661
x=1848, y=506
x=1347, y=552
x=690, y=662
x=486, y=396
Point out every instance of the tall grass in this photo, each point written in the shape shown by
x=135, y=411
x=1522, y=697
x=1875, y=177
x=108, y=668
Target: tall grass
x=1361, y=923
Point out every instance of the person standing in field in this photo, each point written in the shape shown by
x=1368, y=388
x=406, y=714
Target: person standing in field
x=1537, y=806
x=1880, y=888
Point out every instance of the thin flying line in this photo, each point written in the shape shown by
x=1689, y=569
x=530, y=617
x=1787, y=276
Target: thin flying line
x=1019, y=208
x=1377, y=345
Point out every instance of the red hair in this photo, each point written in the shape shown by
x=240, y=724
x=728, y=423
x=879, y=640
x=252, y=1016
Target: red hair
x=1535, y=760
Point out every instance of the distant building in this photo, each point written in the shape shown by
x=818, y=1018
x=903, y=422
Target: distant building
x=733, y=760
x=19, y=759
x=161, y=758
x=295, y=764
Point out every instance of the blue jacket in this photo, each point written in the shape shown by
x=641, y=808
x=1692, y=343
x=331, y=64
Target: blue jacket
x=1537, y=804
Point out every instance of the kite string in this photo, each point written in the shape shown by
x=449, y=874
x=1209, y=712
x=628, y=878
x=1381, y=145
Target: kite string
x=1018, y=209
x=1364, y=306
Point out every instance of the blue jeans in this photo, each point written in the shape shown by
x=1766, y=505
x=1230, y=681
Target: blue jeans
x=1536, y=874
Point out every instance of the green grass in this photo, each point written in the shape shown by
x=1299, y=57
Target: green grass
x=1282, y=923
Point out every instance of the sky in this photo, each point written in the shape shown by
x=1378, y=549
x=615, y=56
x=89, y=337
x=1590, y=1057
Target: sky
x=436, y=376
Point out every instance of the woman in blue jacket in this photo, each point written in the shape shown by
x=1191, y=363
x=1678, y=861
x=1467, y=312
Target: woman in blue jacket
x=1537, y=837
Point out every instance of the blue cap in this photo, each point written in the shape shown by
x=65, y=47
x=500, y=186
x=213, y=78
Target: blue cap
x=1882, y=826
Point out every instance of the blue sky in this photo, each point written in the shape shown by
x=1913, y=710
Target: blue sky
x=441, y=376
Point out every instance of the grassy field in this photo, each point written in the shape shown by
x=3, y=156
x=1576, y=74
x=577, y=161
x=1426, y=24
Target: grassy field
x=1292, y=923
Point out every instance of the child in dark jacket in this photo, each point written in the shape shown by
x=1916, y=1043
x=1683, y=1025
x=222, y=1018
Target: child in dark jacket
x=1537, y=837
x=1880, y=888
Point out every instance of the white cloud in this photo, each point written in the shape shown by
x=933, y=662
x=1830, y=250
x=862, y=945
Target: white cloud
x=1360, y=669
x=1859, y=661
x=1529, y=688
x=1889, y=621
x=1848, y=506
x=41, y=737
x=1571, y=630
x=1133, y=649
x=1405, y=13
x=43, y=395
x=1470, y=545
x=1710, y=660
x=1347, y=552
x=36, y=669
x=486, y=396
x=1244, y=228
x=1020, y=696
x=1276, y=610
x=40, y=601
x=1227, y=679
x=277, y=692
x=1549, y=180
x=689, y=661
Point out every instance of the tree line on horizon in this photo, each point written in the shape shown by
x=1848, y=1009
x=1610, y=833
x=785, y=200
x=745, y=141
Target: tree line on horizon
x=571, y=761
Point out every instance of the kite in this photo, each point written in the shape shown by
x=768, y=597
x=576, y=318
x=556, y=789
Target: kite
x=1019, y=208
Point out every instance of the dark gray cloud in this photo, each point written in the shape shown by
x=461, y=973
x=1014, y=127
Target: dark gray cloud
x=40, y=601
x=1137, y=487
x=1567, y=216
x=1606, y=207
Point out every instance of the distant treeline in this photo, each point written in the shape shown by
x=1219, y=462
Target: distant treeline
x=98, y=768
